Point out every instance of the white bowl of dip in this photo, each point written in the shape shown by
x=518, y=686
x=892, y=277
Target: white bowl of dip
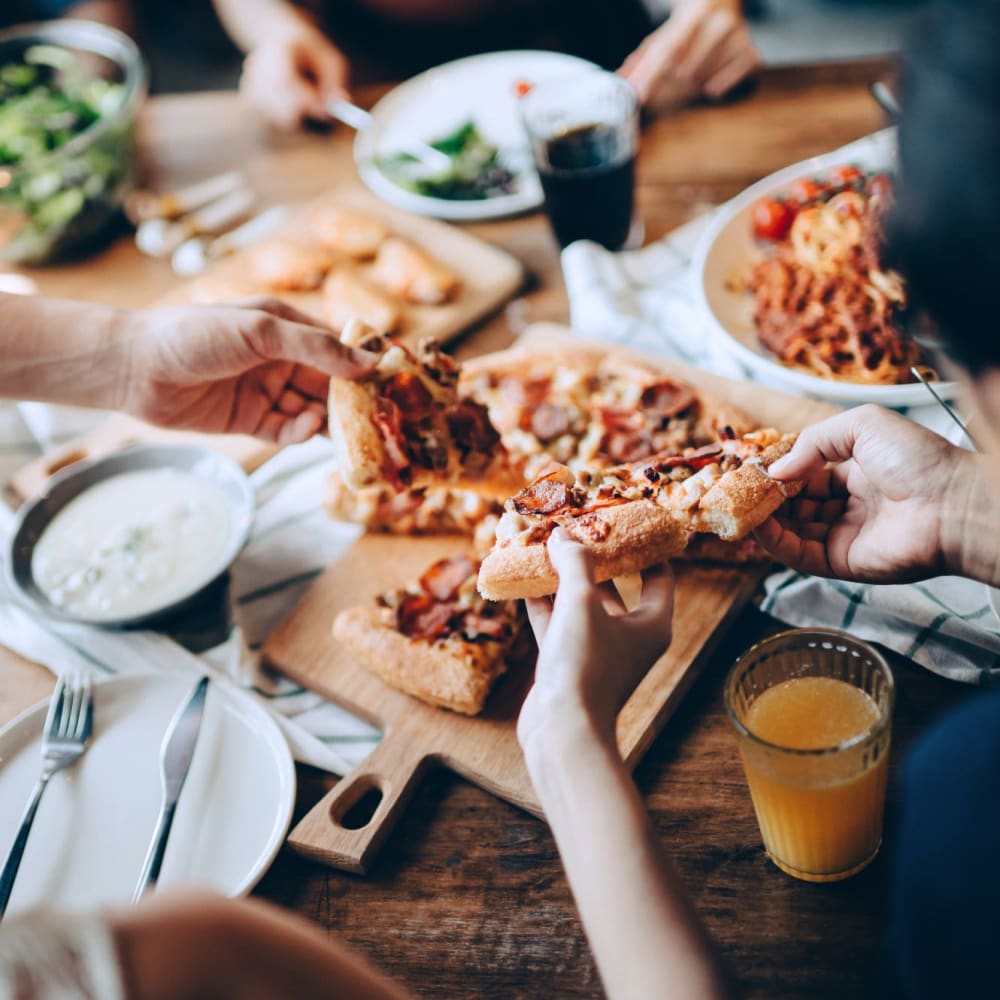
x=131, y=537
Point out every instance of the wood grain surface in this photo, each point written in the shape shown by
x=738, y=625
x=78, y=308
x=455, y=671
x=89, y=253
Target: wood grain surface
x=468, y=898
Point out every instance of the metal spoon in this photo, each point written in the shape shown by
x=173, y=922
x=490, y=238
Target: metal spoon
x=359, y=119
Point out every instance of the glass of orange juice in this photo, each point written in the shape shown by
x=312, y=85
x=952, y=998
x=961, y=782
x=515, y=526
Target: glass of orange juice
x=813, y=712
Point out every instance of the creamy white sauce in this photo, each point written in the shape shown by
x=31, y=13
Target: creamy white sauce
x=133, y=543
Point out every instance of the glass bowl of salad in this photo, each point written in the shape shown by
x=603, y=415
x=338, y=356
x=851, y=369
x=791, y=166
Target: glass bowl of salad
x=69, y=95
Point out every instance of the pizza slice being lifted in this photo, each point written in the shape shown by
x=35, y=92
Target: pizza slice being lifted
x=405, y=425
x=436, y=639
x=636, y=515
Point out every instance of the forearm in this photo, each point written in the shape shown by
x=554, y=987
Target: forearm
x=249, y=22
x=59, y=351
x=970, y=523
x=645, y=936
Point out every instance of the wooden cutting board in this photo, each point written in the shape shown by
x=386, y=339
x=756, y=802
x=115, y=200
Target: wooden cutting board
x=489, y=278
x=484, y=750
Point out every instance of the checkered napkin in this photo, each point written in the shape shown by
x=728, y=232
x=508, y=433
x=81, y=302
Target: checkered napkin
x=645, y=300
x=293, y=541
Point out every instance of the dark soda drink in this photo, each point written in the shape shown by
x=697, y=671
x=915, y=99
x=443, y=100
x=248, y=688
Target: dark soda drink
x=589, y=183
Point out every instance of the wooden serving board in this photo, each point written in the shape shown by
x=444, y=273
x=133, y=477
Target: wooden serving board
x=485, y=749
x=489, y=278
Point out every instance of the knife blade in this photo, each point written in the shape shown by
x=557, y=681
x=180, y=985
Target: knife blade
x=176, y=754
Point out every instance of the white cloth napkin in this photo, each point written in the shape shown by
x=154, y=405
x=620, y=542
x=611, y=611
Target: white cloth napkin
x=293, y=541
x=644, y=299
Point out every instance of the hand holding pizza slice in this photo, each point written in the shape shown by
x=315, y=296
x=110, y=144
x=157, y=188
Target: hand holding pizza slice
x=406, y=425
x=636, y=515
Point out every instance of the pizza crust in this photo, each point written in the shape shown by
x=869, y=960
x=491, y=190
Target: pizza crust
x=452, y=673
x=626, y=538
x=360, y=451
x=745, y=498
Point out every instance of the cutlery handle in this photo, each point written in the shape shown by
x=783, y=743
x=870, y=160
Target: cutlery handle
x=13, y=861
x=158, y=847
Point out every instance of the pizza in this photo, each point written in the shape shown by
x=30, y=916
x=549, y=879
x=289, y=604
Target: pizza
x=434, y=510
x=436, y=639
x=405, y=425
x=635, y=515
x=587, y=408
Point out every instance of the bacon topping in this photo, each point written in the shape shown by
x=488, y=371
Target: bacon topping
x=443, y=579
x=667, y=399
x=695, y=458
x=410, y=395
x=627, y=446
x=544, y=496
x=419, y=616
x=476, y=626
x=389, y=423
x=470, y=427
x=549, y=422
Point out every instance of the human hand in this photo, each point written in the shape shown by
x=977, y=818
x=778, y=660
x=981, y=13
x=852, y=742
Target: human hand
x=291, y=76
x=890, y=508
x=703, y=48
x=258, y=367
x=591, y=652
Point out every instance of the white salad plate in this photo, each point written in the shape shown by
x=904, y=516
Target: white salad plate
x=97, y=818
x=727, y=249
x=429, y=106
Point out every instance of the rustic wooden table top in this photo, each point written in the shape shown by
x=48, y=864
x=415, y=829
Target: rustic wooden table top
x=469, y=899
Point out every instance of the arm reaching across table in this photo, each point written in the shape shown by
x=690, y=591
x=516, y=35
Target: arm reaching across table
x=592, y=653
x=258, y=367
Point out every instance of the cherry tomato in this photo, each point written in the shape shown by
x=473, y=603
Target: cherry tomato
x=846, y=175
x=805, y=190
x=772, y=218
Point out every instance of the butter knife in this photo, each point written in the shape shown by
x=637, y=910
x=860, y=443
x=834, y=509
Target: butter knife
x=175, y=760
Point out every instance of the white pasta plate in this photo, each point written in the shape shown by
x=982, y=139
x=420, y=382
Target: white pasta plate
x=479, y=88
x=727, y=248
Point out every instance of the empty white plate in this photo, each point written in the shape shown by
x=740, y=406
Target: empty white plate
x=96, y=819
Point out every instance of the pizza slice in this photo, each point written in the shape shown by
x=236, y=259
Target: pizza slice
x=587, y=407
x=405, y=425
x=635, y=515
x=436, y=510
x=436, y=639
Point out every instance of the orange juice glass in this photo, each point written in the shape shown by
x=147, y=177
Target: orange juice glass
x=813, y=709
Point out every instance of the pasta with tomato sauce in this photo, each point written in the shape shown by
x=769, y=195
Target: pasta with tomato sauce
x=823, y=301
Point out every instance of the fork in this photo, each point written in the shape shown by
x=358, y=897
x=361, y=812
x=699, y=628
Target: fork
x=67, y=729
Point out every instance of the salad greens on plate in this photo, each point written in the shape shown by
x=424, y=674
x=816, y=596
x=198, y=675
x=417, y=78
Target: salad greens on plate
x=476, y=171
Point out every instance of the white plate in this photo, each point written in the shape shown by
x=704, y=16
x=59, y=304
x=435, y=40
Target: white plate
x=728, y=245
x=96, y=819
x=434, y=103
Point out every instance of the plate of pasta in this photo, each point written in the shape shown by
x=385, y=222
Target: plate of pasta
x=791, y=275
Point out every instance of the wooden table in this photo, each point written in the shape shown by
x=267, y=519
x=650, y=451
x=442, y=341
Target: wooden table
x=469, y=899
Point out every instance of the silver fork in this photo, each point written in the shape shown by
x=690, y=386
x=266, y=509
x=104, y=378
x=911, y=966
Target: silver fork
x=67, y=730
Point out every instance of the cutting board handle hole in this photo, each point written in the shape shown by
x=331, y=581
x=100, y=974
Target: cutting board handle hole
x=360, y=810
